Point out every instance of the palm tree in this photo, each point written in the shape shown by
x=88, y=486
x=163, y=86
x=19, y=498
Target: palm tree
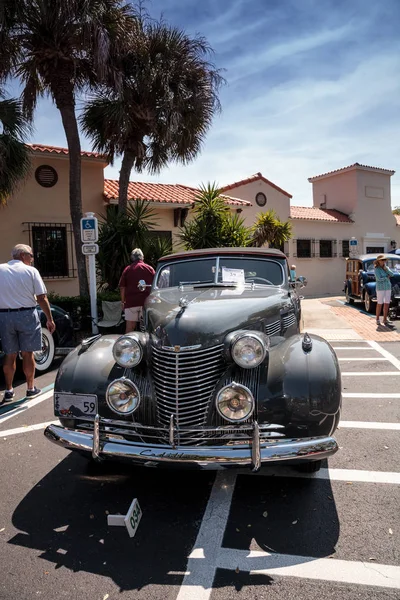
x=396, y=210
x=14, y=154
x=60, y=48
x=269, y=229
x=164, y=108
x=213, y=225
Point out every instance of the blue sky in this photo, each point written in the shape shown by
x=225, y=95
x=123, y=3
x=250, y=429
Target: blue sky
x=312, y=86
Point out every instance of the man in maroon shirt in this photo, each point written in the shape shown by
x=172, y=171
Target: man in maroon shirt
x=132, y=298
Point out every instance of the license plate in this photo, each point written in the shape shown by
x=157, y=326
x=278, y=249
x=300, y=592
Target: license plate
x=75, y=405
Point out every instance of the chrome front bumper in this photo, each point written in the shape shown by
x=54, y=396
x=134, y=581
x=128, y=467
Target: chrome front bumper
x=105, y=446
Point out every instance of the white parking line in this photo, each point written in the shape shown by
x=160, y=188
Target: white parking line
x=369, y=395
x=29, y=404
x=199, y=576
x=368, y=358
x=352, y=347
x=343, y=571
x=369, y=374
x=17, y=430
x=348, y=475
x=207, y=554
x=369, y=425
x=395, y=361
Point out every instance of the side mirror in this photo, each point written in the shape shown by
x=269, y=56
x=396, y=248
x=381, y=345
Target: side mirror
x=142, y=285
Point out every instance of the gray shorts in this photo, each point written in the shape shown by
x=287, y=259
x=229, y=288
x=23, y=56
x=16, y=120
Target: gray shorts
x=20, y=331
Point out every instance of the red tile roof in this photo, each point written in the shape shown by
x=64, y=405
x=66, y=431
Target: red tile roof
x=161, y=192
x=349, y=168
x=311, y=213
x=64, y=151
x=256, y=177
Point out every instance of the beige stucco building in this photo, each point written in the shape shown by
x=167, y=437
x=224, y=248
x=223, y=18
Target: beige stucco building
x=353, y=202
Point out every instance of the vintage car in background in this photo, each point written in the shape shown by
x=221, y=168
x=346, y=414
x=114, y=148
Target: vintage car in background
x=57, y=344
x=220, y=377
x=360, y=284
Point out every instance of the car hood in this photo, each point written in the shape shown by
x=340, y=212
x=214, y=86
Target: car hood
x=211, y=313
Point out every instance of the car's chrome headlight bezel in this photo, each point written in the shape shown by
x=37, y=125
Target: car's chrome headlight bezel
x=235, y=387
x=136, y=345
x=261, y=340
x=133, y=387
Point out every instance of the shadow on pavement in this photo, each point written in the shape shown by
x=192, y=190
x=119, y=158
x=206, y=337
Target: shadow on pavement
x=65, y=517
x=77, y=499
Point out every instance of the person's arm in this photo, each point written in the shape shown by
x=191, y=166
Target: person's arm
x=380, y=275
x=45, y=306
x=122, y=292
x=389, y=272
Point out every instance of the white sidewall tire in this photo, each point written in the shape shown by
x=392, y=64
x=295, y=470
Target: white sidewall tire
x=45, y=364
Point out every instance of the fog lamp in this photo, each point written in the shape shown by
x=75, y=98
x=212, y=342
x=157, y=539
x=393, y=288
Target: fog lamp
x=235, y=402
x=122, y=396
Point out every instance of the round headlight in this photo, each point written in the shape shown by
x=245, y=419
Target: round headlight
x=235, y=402
x=248, y=351
x=123, y=396
x=127, y=352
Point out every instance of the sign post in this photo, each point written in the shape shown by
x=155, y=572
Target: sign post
x=353, y=243
x=89, y=237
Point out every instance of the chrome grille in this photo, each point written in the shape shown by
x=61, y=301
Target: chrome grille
x=184, y=382
x=288, y=320
x=273, y=328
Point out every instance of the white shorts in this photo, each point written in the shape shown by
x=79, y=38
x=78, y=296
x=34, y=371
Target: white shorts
x=384, y=296
x=134, y=313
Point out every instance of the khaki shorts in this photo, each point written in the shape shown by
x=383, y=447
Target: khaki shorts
x=134, y=313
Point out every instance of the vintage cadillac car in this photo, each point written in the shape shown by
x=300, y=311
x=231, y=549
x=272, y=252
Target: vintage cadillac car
x=219, y=377
x=57, y=344
x=360, y=282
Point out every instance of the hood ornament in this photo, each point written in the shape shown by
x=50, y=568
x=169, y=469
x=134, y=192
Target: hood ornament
x=183, y=302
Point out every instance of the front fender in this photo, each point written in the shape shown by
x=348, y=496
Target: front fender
x=302, y=387
x=89, y=371
x=371, y=288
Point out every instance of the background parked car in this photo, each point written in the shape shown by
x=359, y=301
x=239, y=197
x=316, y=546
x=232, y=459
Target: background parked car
x=360, y=284
x=57, y=344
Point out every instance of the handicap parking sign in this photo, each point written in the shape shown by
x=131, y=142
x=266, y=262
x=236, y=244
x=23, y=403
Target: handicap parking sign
x=89, y=229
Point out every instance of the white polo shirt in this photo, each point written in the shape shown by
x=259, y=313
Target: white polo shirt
x=19, y=285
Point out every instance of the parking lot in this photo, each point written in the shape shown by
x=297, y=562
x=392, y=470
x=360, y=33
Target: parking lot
x=277, y=534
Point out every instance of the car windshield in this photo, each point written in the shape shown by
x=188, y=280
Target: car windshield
x=231, y=271
x=392, y=263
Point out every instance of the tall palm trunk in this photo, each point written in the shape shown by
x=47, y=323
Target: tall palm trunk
x=124, y=174
x=66, y=105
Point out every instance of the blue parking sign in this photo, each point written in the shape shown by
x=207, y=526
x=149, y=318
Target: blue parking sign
x=89, y=229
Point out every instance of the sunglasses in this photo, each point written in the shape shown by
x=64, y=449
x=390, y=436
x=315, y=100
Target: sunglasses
x=29, y=254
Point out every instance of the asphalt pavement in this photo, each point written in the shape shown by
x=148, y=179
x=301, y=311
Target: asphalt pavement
x=230, y=535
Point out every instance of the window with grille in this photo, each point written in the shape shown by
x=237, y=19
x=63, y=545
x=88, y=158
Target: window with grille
x=345, y=248
x=325, y=249
x=50, y=250
x=53, y=249
x=304, y=248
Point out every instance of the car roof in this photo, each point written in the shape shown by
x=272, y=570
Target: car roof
x=214, y=251
x=372, y=256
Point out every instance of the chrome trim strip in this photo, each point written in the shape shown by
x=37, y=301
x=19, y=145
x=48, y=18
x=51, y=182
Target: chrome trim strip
x=96, y=438
x=171, y=432
x=255, y=448
x=212, y=457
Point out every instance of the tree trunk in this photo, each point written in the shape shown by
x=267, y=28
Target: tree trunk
x=66, y=105
x=124, y=174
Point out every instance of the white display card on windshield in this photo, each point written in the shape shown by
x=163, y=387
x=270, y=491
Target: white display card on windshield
x=232, y=275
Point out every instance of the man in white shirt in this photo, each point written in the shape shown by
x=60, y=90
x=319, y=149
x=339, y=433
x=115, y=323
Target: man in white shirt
x=21, y=288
